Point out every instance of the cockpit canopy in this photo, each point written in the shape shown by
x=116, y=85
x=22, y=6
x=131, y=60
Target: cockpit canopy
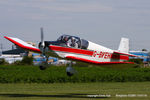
x=73, y=41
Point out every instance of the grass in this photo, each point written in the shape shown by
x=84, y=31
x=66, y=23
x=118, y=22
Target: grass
x=75, y=91
x=32, y=74
x=30, y=83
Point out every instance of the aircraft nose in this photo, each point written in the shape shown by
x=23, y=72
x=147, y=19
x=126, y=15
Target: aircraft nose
x=39, y=44
x=46, y=44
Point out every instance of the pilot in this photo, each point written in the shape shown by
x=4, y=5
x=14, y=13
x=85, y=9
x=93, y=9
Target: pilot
x=75, y=44
x=66, y=40
x=72, y=42
x=69, y=42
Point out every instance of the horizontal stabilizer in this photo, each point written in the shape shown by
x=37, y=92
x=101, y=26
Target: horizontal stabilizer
x=126, y=54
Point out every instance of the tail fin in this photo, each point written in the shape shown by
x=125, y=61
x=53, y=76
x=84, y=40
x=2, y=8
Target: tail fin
x=124, y=45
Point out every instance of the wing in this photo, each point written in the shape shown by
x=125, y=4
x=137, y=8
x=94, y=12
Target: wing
x=74, y=57
x=23, y=44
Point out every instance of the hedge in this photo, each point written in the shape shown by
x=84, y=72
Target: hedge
x=55, y=74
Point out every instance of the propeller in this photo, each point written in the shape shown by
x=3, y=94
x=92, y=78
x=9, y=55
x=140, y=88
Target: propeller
x=42, y=48
x=42, y=38
x=42, y=44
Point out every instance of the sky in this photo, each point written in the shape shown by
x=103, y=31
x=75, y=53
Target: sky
x=101, y=21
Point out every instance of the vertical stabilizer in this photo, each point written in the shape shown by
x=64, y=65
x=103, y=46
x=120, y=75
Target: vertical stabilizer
x=124, y=45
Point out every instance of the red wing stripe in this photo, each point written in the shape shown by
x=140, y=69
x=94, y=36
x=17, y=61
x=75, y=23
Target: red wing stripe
x=96, y=62
x=22, y=46
x=71, y=50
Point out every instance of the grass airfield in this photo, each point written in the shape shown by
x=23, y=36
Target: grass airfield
x=76, y=91
x=23, y=82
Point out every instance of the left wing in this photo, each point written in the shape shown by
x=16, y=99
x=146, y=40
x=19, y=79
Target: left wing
x=23, y=44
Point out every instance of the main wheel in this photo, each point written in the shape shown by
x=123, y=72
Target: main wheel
x=70, y=71
x=69, y=74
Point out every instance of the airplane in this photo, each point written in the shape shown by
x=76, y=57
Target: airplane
x=74, y=48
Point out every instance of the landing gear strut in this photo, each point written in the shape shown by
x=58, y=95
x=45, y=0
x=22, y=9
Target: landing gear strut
x=44, y=64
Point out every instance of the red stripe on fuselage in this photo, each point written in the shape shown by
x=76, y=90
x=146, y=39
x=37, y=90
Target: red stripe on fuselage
x=96, y=62
x=84, y=52
x=71, y=50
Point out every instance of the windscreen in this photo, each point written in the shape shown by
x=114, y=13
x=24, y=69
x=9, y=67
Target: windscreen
x=73, y=41
x=84, y=44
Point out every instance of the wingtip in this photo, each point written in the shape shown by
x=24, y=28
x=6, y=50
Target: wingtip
x=5, y=37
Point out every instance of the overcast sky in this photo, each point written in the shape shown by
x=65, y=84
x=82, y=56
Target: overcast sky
x=101, y=21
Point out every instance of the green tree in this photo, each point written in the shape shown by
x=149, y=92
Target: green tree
x=3, y=62
x=27, y=60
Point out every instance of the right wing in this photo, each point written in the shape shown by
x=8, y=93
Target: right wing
x=74, y=57
x=23, y=44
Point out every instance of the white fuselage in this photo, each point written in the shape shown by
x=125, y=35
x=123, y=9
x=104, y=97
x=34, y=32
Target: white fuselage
x=95, y=53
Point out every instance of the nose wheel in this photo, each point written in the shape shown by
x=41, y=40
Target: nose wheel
x=44, y=63
x=42, y=67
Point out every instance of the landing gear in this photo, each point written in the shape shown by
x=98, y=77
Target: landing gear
x=70, y=70
x=42, y=67
x=44, y=63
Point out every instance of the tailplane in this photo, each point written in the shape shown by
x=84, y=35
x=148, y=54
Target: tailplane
x=124, y=45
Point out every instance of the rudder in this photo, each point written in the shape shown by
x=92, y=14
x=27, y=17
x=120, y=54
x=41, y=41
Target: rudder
x=124, y=45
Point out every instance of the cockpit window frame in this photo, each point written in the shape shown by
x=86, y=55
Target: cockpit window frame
x=77, y=41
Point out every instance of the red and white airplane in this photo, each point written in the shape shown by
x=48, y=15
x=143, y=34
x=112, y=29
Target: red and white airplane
x=75, y=48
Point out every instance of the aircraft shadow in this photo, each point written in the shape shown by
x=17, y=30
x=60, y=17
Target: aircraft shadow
x=67, y=95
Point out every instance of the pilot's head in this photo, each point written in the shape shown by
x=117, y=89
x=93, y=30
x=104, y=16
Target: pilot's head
x=65, y=39
x=73, y=39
